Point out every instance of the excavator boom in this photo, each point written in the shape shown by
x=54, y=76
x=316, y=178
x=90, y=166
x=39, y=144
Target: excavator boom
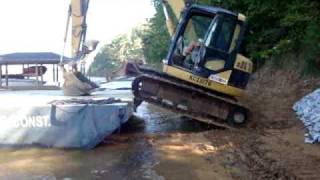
x=75, y=83
x=78, y=9
x=177, y=7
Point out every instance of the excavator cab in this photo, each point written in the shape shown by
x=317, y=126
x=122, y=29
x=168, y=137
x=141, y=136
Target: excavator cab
x=203, y=73
x=205, y=50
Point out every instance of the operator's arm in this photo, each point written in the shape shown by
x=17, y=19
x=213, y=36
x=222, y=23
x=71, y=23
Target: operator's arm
x=188, y=50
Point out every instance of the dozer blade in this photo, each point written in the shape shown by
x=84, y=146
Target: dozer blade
x=188, y=100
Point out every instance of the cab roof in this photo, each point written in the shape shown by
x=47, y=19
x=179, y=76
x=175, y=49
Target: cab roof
x=215, y=10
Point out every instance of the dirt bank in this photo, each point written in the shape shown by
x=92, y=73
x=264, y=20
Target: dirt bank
x=272, y=147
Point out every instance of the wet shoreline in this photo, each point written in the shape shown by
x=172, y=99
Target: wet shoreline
x=128, y=154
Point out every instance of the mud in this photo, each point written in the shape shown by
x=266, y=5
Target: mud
x=272, y=146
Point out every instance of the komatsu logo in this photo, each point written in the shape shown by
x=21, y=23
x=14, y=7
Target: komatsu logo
x=201, y=81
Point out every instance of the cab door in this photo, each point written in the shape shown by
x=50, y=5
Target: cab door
x=220, y=44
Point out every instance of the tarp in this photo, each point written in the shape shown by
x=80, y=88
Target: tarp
x=308, y=111
x=71, y=123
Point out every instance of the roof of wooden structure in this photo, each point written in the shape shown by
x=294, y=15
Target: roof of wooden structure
x=31, y=58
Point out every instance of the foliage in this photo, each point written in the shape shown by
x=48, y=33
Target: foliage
x=155, y=37
x=122, y=48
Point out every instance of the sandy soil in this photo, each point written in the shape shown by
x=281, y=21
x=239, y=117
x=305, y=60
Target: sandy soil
x=272, y=147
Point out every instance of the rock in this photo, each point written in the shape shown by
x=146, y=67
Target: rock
x=308, y=111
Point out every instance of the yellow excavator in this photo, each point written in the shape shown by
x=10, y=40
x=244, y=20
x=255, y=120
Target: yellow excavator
x=203, y=74
x=75, y=83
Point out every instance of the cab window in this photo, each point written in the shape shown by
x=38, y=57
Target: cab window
x=221, y=33
x=226, y=33
x=197, y=28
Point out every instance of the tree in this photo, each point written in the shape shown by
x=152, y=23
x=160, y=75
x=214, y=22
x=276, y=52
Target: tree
x=155, y=37
x=122, y=48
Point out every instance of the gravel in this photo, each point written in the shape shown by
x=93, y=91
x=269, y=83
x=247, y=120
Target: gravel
x=308, y=111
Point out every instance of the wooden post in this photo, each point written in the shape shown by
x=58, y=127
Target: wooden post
x=53, y=73
x=41, y=72
x=37, y=74
x=28, y=77
x=0, y=76
x=57, y=73
x=7, y=76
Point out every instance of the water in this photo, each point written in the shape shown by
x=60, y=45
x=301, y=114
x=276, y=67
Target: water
x=154, y=119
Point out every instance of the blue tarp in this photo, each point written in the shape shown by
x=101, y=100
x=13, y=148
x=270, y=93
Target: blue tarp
x=62, y=124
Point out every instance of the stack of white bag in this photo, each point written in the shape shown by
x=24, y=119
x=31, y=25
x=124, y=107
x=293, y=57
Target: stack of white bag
x=308, y=111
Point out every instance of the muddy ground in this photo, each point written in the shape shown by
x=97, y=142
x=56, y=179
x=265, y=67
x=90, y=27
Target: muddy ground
x=157, y=144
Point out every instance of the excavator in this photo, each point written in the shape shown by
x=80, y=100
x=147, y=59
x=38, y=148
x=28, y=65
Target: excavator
x=75, y=82
x=203, y=74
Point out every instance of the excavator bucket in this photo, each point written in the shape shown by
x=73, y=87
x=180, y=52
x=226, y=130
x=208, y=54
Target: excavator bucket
x=76, y=84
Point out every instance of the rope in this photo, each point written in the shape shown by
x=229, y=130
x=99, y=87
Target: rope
x=85, y=101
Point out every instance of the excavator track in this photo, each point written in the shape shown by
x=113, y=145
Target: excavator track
x=188, y=100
